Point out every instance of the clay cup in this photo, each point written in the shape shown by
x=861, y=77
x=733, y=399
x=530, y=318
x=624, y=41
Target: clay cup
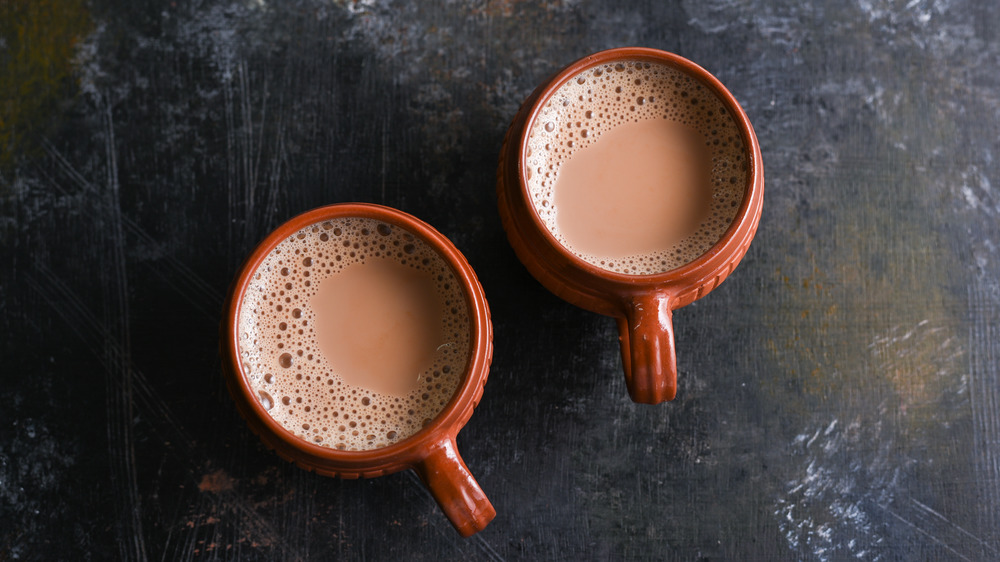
x=431, y=451
x=643, y=305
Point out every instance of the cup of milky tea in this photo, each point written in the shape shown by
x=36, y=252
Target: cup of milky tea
x=356, y=340
x=630, y=184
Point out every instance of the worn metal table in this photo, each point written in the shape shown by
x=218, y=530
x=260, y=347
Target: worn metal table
x=839, y=394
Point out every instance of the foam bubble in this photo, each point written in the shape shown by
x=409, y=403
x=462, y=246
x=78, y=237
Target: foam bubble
x=603, y=97
x=294, y=381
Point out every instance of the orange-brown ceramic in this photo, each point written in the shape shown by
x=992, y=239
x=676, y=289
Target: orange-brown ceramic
x=642, y=304
x=431, y=452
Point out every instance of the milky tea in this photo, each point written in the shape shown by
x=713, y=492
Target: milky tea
x=354, y=333
x=635, y=167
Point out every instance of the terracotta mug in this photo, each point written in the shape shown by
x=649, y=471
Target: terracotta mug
x=431, y=451
x=642, y=304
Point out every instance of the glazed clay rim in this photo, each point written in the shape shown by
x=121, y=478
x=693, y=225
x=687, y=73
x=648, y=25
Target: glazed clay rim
x=752, y=193
x=459, y=408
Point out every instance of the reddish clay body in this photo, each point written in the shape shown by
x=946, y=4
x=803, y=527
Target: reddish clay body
x=431, y=452
x=642, y=304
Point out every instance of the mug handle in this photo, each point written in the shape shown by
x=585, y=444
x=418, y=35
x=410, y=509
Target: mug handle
x=455, y=489
x=646, y=334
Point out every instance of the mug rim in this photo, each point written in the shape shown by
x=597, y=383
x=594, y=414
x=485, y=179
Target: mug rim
x=705, y=262
x=449, y=420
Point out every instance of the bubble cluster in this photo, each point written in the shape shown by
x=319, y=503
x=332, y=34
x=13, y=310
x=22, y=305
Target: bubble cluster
x=296, y=383
x=609, y=95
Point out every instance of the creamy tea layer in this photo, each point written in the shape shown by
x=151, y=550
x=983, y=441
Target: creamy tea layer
x=635, y=167
x=354, y=333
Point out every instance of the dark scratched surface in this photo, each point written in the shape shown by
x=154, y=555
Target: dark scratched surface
x=839, y=394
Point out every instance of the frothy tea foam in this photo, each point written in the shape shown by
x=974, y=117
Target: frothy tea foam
x=646, y=207
x=354, y=333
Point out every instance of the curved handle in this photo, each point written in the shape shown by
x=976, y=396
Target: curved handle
x=646, y=334
x=456, y=491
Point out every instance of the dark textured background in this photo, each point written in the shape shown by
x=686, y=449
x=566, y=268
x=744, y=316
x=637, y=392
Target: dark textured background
x=839, y=394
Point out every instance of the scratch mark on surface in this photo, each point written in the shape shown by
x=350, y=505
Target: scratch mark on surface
x=129, y=392
x=385, y=149
x=118, y=349
x=984, y=397
x=491, y=553
x=95, y=334
x=279, y=160
x=480, y=542
x=978, y=540
x=223, y=496
x=197, y=291
x=927, y=534
x=244, y=155
x=231, y=173
x=246, y=151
